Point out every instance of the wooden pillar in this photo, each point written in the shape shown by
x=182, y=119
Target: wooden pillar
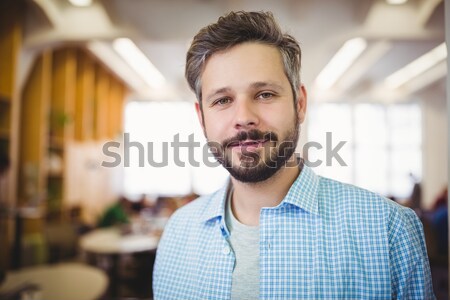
x=84, y=97
x=10, y=44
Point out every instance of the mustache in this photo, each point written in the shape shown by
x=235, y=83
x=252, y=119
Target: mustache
x=251, y=135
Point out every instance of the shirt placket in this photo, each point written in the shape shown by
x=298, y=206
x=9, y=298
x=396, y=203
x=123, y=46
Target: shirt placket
x=266, y=255
x=226, y=260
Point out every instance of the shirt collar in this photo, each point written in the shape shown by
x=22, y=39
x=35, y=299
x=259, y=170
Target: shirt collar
x=216, y=205
x=303, y=194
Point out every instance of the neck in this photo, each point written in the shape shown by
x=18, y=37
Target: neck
x=249, y=198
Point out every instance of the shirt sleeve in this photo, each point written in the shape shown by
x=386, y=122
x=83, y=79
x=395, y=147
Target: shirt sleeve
x=162, y=267
x=410, y=269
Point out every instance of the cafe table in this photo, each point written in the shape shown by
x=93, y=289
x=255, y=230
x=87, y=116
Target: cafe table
x=68, y=281
x=111, y=243
x=114, y=241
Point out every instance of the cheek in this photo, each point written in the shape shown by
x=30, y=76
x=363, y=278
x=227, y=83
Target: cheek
x=280, y=120
x=218, y=125
x=214, y=129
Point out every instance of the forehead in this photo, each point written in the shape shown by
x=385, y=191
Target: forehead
x=243, y=64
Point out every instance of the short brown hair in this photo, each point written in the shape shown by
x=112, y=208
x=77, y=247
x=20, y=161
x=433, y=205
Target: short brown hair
x=236, y=28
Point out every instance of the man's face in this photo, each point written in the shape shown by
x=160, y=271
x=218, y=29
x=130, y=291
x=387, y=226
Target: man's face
x=248, y=112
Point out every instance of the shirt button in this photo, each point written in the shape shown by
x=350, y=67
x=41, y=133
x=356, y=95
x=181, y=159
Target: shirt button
x=226, y=250
x=268, y=245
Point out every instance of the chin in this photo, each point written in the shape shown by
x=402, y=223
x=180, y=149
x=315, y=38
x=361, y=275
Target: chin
x=253, y=174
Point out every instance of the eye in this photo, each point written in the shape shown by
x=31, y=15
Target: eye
x=222, y=101
x=265, y=95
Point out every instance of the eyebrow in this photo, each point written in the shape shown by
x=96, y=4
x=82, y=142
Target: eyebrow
x=254, y=85
x=270, y=84
x=216, y=92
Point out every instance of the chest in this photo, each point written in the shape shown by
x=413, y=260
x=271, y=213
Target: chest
x=300, y=256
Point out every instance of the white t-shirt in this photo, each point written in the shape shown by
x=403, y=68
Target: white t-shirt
x=244, y=241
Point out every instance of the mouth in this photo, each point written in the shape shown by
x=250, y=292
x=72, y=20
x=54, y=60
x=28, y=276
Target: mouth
x=248, y=144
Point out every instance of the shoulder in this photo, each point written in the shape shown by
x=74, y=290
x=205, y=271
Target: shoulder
x=192, y=211
x=359, y=203
x=343, y=191
x=188, y=219
x=183, y=219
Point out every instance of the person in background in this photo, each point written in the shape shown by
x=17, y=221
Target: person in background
x=116, y=214
x=439, y=221
x=276, y=230
x=415, y=200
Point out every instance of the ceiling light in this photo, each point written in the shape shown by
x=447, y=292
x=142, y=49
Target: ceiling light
x=340, y=62
x=139, y=62
x=81, y=3
x=416, y=67
x=107, y=55
x=396, y=2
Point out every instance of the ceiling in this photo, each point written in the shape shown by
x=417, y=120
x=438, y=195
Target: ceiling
x=162, y=29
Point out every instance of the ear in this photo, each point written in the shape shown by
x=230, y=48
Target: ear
x=302, y=101
x=199, y=114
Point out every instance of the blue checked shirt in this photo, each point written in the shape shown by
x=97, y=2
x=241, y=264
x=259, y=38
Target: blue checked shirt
x=325, y=240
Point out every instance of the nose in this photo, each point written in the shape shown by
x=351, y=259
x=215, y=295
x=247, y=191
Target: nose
x=246, y=115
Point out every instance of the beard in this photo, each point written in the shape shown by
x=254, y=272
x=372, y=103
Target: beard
x=262, y=164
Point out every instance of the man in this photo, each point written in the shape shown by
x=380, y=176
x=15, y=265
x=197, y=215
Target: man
x=277, y=231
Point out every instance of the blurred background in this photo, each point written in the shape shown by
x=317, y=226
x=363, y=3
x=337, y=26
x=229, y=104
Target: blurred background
x=93, y=98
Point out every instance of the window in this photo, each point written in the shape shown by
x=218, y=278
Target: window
x=166, y=169
x=382, y=149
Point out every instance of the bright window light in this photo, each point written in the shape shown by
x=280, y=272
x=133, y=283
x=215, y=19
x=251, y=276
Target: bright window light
x=159, y=123
x=139, y=62
x=396, y=2
x=81, y=3
x=417, y=67
x=383, y=144
x=340, y=62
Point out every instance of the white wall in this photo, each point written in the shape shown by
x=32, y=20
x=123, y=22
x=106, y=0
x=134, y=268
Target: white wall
x=435, y=141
